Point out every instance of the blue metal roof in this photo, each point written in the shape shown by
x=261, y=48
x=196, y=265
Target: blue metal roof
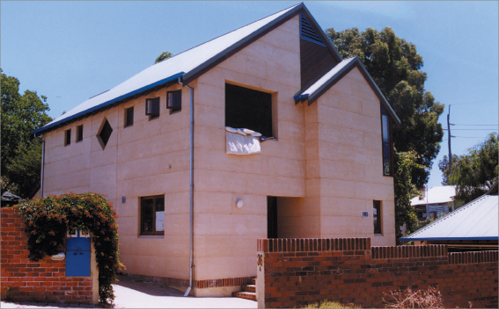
x=477, y=220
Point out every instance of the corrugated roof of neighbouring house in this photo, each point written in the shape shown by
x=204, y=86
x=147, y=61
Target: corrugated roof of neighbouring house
x=477, y=220
x=436, y=195
x=314, y=91
x=182, y=65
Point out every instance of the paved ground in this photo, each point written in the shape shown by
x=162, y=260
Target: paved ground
x=133, y=294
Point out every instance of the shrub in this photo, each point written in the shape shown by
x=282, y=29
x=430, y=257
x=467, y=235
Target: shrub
x=49, y=219
x=429, y=298
x=330, y=304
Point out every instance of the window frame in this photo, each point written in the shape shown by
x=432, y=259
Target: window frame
x=128, y=121
x=141, y=210
x=173, y=109
x=79, y=133
x=378, y=224
x=67, y=137
x=149, y=113
x=386, y=172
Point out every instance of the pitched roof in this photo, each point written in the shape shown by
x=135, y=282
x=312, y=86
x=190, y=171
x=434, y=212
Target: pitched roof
x=186, y=66
x=436, y=195
x=476, y=220
x=314, y=91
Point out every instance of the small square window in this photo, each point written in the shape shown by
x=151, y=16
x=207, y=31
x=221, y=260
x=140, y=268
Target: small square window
x=152, y=108
x=377, y=216
x=152, y=215
x=67, y=137
x=79, y=133
x=174, y=100
x=128, y=117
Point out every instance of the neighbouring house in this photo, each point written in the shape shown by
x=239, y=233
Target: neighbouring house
x=264, y=132
x=434, y=202
x=472, y=227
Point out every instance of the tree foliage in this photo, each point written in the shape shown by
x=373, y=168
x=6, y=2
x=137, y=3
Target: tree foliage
x=473, y=173
x=49, y=219
x=164, y=55
x=394, y=65
x=21, y=155
x=404, y=189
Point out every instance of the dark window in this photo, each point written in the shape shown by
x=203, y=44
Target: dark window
x=128, y=117
x=104, y=134
x=387, y=144
x=377, y=216
x=152, y=215
x=79, y=133
x=174, y=100
x=152, y=108
x=67, y=137
x=247, y=108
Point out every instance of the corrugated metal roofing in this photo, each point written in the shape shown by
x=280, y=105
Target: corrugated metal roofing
x=314, y=91
x=436, y=195
x=181, y=65
x=476, y=220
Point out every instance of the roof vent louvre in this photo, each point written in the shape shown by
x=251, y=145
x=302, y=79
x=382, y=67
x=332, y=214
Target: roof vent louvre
x=307, y=31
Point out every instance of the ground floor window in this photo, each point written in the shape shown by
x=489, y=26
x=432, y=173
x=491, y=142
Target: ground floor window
x=377, y=216
x=152, y=215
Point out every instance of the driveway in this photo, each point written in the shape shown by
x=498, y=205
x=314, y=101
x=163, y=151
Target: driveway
x=130, y=293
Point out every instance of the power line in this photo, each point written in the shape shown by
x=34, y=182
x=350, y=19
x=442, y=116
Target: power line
x=469, y=136
x=477, y=125
x=469, y=129
x=462, y=103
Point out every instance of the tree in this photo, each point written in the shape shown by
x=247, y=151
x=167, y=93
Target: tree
x=473, y=173
x=164, y=55
x=404, y=189
x=394, y=65
x=21, y=155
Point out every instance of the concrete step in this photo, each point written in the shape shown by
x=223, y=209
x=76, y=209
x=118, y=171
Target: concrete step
x=249, y=288
x=245, y=295
x=253, y=281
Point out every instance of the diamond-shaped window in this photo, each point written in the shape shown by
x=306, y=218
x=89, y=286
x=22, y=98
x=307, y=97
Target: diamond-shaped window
x=104, y=134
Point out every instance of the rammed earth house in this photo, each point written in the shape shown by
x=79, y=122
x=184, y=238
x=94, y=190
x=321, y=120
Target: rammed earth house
x=191, y=214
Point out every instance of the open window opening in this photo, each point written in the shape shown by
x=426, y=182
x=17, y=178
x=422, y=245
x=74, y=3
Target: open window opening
x=152, y=108
x=152, y=215
x=104, y=134
x=129, y=117
x=67, y=137
x=174, y=101
x=249, y=109
x=79, y=133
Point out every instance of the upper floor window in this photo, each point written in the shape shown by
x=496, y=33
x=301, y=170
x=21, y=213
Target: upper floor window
x=174, y=100
x=79, y=133
x=104, y=134
x=128, y=116
x=249, y=109
x=152, y=108
x=67, y=137
x=387, y=143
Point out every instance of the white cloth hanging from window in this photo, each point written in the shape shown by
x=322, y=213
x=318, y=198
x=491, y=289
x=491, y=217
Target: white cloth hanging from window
x=242, y=141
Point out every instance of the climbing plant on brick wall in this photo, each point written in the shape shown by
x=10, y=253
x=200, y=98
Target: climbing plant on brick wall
x=49, y=219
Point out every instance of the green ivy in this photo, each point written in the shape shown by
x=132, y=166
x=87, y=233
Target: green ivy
x=49, y=219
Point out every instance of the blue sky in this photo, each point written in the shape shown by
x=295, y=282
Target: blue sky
x=70, y=51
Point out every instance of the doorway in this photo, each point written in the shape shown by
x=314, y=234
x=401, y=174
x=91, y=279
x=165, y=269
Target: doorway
x=272, y=217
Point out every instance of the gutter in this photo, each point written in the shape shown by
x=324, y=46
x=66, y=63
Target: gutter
x=191, y=192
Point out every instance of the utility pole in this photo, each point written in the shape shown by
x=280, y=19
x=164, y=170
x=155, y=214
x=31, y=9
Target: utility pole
x=450, y=136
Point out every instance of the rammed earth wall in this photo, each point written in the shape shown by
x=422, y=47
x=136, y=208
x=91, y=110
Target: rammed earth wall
x=42, y=281
x=295, y=272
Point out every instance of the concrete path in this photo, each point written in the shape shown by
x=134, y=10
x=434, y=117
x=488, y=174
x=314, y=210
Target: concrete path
x=133, y=294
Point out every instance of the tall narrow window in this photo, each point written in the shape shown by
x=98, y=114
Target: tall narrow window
x=377, y=216
x=152, y=108
x=67, y=137
x=79, y=133
x=105, y=134
x=152, y=215
x=174, y=100
x=387, y=145
x=128, y=117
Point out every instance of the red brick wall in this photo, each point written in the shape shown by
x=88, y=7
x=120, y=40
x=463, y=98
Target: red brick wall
x=295, y=272
x=24, y=280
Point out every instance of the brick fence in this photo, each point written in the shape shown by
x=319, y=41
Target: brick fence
x=295, y=272
x=45, y=280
